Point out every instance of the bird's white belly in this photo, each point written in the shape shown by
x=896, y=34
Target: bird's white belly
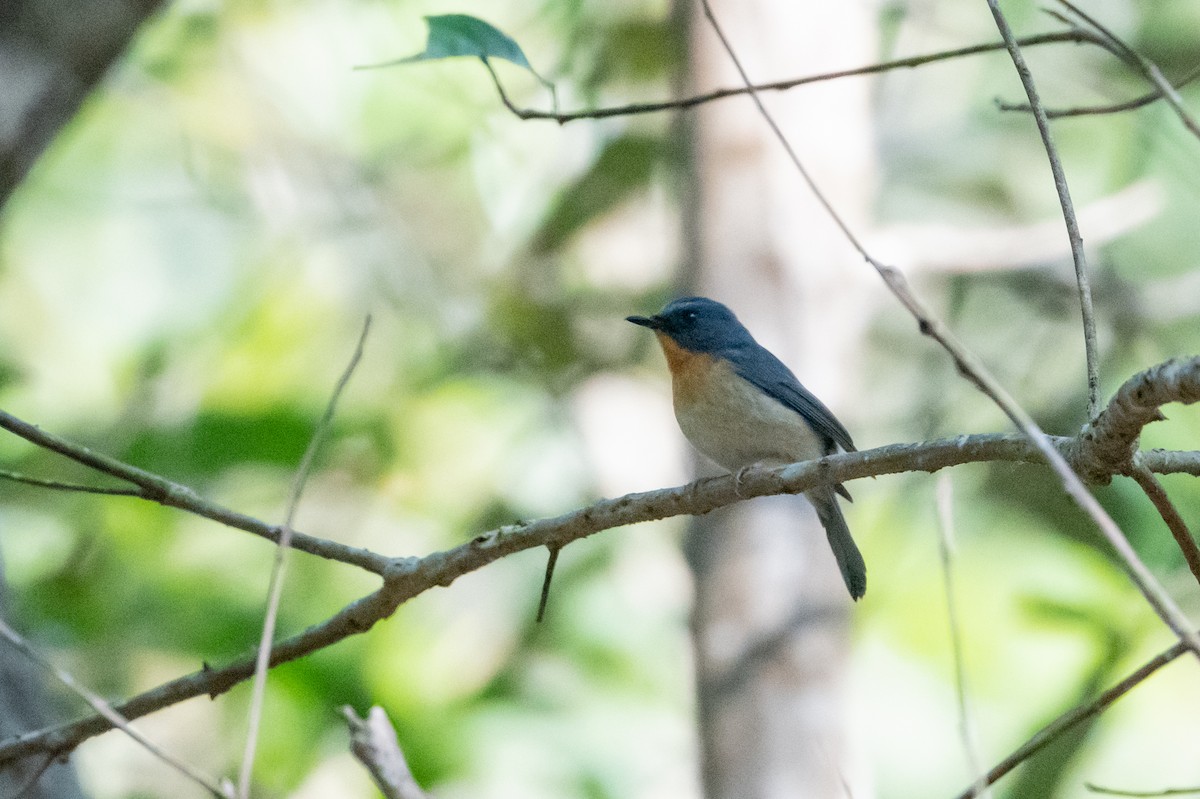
x=735, y=424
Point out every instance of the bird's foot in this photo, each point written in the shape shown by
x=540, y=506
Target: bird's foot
x=737, y=480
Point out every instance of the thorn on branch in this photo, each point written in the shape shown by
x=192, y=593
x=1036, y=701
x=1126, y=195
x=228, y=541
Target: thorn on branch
x=551, y=562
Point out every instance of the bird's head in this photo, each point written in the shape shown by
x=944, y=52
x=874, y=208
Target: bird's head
x=697, y=324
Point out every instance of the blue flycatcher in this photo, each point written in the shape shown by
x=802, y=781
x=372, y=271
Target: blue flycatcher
x=741, y=406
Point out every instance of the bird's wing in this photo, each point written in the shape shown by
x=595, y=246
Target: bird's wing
x=757, y=365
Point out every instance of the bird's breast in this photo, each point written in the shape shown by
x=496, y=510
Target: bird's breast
x=728, y=418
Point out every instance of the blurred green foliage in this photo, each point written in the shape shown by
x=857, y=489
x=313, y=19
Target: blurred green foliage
x=182, y=277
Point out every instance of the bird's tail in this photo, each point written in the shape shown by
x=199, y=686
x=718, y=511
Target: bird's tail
x=849, y=559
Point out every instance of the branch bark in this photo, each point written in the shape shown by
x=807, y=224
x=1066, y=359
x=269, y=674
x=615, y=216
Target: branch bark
x=1107, y=445
x=373, y=741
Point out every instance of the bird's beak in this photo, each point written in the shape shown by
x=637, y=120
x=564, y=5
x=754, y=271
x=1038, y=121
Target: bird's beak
x=652, y=322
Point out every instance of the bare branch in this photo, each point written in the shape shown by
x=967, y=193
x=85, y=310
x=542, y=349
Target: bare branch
x=57, y=485
x=1165, y=792
x=1163, y=461
x=408, y=577
x=355, y=618
x=1149, y=70
x=279, y=568
x=1066, y=721
x=1075, y=35
x=373, y=741
x=1170, y=514
x=1078, y=256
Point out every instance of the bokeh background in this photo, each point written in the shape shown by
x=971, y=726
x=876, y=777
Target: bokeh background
x=183, y=275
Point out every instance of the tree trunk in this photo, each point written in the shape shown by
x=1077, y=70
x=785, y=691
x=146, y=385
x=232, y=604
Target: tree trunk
x=52, y=53
x=771, y=617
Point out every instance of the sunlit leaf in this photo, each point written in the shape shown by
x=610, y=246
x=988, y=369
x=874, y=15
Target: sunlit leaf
x=455, y=35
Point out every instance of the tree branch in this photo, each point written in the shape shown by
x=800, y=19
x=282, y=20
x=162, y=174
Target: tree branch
x=58, y=485
x=1074, y=35
x=1107, y=444
x=1148, y=69
x=405, y=578
x=1105, y=38
x=408, y=577
x=1151, y=589
x=357, y=617
x=1170, y=514
x=1078, y=256
x=1066, y=721
x=373, y=741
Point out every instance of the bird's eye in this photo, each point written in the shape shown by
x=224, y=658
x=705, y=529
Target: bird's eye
x=690, y=316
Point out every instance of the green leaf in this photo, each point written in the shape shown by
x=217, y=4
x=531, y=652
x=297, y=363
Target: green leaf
x=454, y=35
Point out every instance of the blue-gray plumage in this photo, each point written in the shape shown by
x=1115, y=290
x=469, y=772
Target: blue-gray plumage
x=741, y=406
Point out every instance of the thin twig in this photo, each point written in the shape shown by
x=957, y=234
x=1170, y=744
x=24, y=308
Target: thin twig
x=279, y=569
x=1094, y=788
x=1083, y=281
x=1048, y=734
x=104, y=709
x=945, y=506
x=1085, y=110
x=156, y=488
x=1075, y=36
x=1170, y=514
x=57, y=485
x=1145, y=66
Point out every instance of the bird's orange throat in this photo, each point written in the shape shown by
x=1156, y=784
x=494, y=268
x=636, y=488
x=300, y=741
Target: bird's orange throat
x=677, y=356
x=690, y=370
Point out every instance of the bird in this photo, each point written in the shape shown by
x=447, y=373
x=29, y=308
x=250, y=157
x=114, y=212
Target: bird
x=741, y=406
